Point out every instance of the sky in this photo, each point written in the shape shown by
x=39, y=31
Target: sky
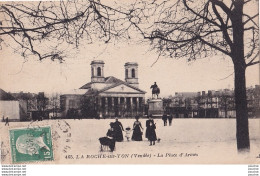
x=172, y=75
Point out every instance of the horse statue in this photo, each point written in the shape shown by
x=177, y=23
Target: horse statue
x=155, y=90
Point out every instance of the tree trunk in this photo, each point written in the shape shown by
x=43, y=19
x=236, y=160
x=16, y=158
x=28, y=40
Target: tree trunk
x=237, y=53
x=242, y=133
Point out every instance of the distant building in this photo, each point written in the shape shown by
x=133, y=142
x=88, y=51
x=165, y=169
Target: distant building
x=227, y=108
x=211, y=104
x=253, y=101
x=12, y=108
x=36, y=104
x=182, y=105
x=106, y=96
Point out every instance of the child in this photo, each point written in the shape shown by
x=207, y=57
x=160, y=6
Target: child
x=127, y=133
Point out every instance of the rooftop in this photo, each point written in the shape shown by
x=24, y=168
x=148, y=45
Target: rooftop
x=5, y=96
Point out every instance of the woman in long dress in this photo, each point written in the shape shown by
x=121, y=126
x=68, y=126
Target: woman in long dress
x=118, y=127
x=151, y=134
x=150, y=119
x=137, y=130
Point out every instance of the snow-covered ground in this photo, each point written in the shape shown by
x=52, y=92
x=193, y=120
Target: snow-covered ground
x=186, y=141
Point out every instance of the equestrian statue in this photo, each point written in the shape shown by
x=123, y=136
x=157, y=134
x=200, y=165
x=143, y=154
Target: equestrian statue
x=155, y=90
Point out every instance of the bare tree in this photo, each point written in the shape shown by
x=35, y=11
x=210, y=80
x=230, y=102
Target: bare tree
x=198, y=29
x=181, y=29
x=48, y=29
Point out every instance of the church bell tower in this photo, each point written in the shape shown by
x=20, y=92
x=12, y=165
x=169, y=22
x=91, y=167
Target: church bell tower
x=97, y=71
x=131, y=73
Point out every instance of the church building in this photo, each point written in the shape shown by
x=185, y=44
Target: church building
x=108, y=96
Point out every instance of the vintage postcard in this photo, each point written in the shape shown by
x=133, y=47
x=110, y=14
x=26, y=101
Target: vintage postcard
x=129, y=82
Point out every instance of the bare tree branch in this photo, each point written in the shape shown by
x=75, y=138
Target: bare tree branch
x=223, y=26
x=250, y=18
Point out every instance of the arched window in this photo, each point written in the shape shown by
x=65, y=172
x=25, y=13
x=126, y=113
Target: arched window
x=92, y=71
x=98, y=71
x=126, y=73
x=133, y=73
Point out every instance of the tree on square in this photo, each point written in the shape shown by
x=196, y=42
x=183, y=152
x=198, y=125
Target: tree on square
x=179, y=29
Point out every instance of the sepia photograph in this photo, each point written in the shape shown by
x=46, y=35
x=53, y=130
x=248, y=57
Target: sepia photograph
x=130, y=82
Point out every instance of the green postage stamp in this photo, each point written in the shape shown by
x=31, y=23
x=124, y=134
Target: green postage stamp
x=31, y=144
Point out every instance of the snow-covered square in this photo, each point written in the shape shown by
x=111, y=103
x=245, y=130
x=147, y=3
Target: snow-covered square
x=187, y=141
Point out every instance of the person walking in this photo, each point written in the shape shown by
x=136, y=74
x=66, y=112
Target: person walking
x=118, y=131
x=147, y=124
x=151, y=134
x=164, y=118
x=137, y=130
x=170, y=119
x=6, y=121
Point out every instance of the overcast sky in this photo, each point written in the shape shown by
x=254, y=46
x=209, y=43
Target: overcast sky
x=170, y=74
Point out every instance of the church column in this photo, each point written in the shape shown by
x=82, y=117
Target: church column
x=112, y=107
x=106, y=105
x=99, y=105
x=119, y=106
x=116, y=106
x=141, y=103
x=131, y=106
x=96, y=106
x=137, y=105
x=125, y=107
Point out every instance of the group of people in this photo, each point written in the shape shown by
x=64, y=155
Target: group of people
x=6, y=120
x=166, y=117
x=115, y=132
x=150, y=133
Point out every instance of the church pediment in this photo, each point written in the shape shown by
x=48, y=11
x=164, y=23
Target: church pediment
x=123, y=88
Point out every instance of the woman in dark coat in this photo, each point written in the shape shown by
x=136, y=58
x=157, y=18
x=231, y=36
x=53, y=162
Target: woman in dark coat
x=151, y=134
x=148, y=124
x=118, y=127
x=137, y=132
x=111, y=137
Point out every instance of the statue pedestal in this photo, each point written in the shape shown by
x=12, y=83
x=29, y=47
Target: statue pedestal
x=155, y=107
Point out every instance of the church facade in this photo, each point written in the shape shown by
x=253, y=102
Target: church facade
x=106, y=97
